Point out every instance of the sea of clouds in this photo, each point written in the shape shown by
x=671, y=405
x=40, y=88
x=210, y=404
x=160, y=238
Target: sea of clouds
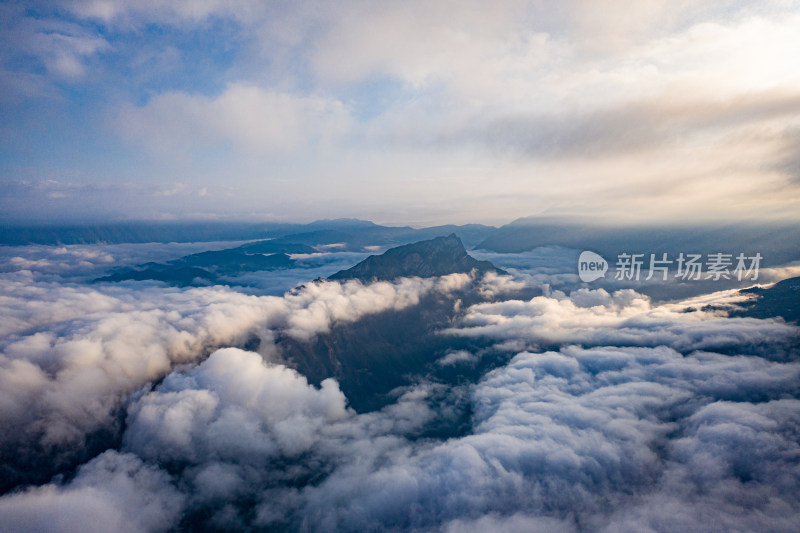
x=614, y=413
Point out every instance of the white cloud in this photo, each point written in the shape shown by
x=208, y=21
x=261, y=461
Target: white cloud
x=271, y=410
x=602, y=438
x=250, y=119
x=63, y=48
x=70, y=353
x=596, y=317
x=456, y=357
x=318, y=305
x=559, y=439
x=183, y=12
x=115, y=493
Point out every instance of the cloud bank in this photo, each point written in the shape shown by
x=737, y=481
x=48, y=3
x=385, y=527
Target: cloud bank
x=622, y=318
x=611, y=414
x=71, y=354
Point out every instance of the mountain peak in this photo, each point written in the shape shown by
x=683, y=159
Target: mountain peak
x=434, y=257
x=341, y=223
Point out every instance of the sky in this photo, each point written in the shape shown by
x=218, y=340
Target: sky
x=411, y=112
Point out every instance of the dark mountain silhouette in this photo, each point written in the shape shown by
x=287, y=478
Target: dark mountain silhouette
x=780, y=300
x=207, y=267
x=446, y=256
x=351, y=234
x=356, y=235
x=395, y=348
x=383, y=351
x=180, y=276
x=142, y=232
x=436, y=257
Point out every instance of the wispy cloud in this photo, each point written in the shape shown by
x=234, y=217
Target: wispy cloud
x=249, y=119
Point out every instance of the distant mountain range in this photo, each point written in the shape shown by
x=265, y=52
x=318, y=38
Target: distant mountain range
x=352, y=234
x=435, y=257
x=207, y=267
x=778, y=243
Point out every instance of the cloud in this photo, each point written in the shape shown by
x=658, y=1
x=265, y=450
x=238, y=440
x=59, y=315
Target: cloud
x=64, y=49
x=282, y=414
x=232, y=415
x=114, y=492
x=456, y=357
x=642, y=427
x=733, y=460
x=73, y=355
x=610, y=109
x=558, y=439
x=175, y=13
x=604, y=438
x=317, y=305
x=246, y=117
x=70, y=354
x=517, y=523
x=493, y=284
x=624, y=317
x=639, y=126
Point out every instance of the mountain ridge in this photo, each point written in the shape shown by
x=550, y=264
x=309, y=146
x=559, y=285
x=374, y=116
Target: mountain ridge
x=434, y=257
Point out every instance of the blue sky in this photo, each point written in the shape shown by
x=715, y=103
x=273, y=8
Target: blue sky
x=412, y=112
